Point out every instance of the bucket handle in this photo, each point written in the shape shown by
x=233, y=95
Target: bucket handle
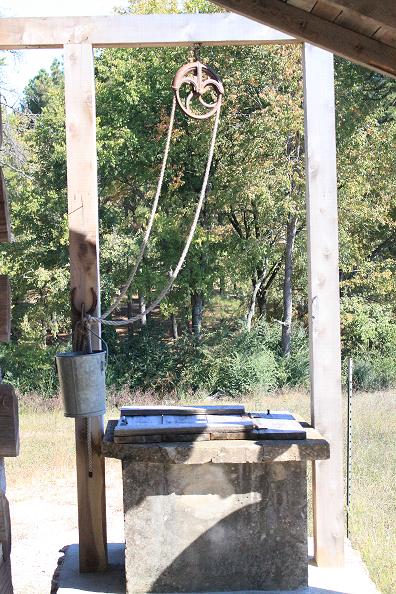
x=106, y=347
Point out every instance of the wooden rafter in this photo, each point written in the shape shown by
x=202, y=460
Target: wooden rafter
x=383, y=12
x=320, y=24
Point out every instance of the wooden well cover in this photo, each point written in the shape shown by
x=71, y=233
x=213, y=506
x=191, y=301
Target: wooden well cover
x=155, y=424
x=9, y=422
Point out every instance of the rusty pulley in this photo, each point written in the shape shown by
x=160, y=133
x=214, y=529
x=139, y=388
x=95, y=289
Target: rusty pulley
x=198, y=90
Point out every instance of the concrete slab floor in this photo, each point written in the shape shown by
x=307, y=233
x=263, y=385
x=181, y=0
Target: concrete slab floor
x=351, y=579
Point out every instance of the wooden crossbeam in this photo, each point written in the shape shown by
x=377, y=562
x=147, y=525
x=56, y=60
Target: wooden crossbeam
x=318, y=31
x=136, y=31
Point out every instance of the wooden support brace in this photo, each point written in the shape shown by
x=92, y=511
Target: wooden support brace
x=9, y=422
x=5, y=308
x=5, y=227
x=5, y=537
x=84, y=272
x=324, y=307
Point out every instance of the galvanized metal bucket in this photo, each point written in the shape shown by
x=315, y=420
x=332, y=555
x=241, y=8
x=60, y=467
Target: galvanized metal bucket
x=82, y=383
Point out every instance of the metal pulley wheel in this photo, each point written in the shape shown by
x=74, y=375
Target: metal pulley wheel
x=198, y=90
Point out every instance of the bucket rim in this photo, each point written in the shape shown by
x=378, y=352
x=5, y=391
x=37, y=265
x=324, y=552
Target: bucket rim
x=69, y=354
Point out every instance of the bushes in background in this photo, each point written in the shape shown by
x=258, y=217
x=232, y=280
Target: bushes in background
x=228, y=360
x=368, y=332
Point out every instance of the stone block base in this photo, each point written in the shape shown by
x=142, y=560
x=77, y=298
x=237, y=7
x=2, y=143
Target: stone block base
x=215, y=527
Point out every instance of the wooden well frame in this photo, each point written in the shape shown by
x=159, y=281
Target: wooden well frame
x=78, y=36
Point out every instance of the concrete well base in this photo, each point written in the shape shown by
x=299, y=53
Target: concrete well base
x=215, y=527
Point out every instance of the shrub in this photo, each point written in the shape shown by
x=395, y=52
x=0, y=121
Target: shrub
x=367, y=326
x=374, y=373
x=30, y=368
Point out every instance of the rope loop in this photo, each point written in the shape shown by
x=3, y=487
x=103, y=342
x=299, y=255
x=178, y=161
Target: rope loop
x=213, y=82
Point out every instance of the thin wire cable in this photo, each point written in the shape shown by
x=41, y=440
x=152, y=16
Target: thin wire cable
x=154, y=207
x=190, y=236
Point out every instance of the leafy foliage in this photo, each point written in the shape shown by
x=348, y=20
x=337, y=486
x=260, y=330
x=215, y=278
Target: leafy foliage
x=257, y=184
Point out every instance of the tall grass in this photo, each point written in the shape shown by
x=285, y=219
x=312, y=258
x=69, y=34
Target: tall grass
x=47, y=454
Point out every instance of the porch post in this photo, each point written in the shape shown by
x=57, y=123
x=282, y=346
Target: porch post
x=82, y=189
x=324, y=303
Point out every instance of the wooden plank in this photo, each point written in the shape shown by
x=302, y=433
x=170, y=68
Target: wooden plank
x=325, y=34
x=82, y=185
x=324, y=307
x=9, y=421
x=158, y=428
x=5, y=577
x=1, y=126
x=84, y=273
x=277, y=425
x=303, y=4
x=5, y=526
x=5, y=308
x=5, y=227
x=357, y=23
x=229, y=423
x=229, y=409
x=383, y=12
x=136, y=31
x=386, y=35
x=326, y=11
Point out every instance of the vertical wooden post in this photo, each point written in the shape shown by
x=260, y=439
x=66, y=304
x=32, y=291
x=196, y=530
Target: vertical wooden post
x=84, y=272
x=324, y=307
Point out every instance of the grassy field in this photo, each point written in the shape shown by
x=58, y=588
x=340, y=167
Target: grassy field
x=41, y=488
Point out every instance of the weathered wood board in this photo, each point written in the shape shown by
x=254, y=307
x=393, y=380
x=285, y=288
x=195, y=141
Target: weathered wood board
x=277, y=425
x=9, y=422
x=204, y=427
x=5, y=308
x=5, y=526
x=5, y=576
x=222, y=409
x=83, y=220
x=5, y=227
x=1, y=127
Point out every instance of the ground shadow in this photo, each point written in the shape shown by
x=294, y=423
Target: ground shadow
x=111, y=581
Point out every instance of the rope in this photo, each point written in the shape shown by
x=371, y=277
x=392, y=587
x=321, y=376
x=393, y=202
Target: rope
x=89, y=447
x=174, y=274
x=151, y=219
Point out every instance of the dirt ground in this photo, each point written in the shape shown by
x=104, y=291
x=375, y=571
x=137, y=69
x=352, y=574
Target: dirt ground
x=41, y=487
x=44, y=520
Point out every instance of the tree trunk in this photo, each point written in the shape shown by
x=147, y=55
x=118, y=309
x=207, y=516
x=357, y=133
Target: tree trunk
x=222, y=286
x=130, y=312
x=197, y=305
x=288, y=285
x=252, y=304
x=142, y=309
x=262, y=301
x=175, y=332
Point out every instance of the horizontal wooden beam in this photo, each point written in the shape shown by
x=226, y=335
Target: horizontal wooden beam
x=325, y=34
x=136, y=31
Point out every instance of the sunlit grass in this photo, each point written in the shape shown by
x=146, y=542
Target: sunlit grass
x=47, y=455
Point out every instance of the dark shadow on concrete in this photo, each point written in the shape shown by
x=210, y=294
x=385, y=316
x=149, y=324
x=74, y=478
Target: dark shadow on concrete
x=262, y=543
x=111, y=581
